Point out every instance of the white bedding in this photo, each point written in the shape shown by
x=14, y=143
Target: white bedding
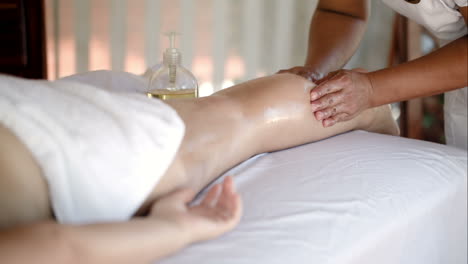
x=355, y=198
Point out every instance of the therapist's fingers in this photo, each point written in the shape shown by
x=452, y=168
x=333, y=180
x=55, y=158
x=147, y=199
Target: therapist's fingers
x=327, y=77
x=306, y=72
x=329, y=112
x=291, y=70
x=361, y=70
x=326, y=102
x=335, y=119
x=334, y=83
x=342, y=97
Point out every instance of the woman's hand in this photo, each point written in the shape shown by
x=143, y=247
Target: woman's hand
x=171, y=226
x=341, y=96
x=217, y=213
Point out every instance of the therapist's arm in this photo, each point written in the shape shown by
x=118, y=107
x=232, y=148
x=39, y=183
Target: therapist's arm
x=171, y=226
x=441, y=71
x=348, y=93
x=336, y=30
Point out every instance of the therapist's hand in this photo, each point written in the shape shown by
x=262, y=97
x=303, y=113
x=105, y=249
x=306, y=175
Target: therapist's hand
x=307, y=72
x=217, y=213
x=341, y=96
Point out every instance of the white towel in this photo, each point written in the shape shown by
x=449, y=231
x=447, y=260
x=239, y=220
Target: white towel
x=115, y=81
x=101, y=152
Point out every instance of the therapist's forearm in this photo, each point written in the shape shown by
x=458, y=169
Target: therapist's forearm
x=440, y=71
x=335, y=33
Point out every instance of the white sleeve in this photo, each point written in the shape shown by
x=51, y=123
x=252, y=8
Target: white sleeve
x=461, y=3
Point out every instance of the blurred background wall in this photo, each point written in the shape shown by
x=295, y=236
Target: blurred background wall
x=223, y=42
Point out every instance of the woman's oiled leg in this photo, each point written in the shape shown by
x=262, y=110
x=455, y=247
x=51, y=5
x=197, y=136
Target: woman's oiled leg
x=215, y=137
x=278, y=113
x=257, y=116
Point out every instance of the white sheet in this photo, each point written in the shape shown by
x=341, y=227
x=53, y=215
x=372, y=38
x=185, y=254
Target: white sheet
x=355, y=198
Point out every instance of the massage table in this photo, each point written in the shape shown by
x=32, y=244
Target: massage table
x=356, y=198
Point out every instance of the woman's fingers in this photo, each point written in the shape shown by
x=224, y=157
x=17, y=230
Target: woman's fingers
x=222, y=197
x=210, y=198
x=222, y=209
x=230, y=208
x=225, y=200
x=229, y=203
x=219, y=212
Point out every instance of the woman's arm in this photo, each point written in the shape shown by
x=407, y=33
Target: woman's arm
x=171, y=226
x=136, y=241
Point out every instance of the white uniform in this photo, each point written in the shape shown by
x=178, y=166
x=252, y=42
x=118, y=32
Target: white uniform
x=442, y=19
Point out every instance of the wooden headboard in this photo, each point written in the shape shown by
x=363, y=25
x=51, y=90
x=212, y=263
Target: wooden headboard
x=22, y=38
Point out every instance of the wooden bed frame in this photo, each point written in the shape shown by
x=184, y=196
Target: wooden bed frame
x=22, y=34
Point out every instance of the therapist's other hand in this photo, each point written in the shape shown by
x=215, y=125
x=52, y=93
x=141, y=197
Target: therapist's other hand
x=341, y=96
x=217, y=213
x=307, y=72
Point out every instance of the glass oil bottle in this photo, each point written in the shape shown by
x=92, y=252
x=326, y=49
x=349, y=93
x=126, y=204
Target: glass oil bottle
x=172, y=80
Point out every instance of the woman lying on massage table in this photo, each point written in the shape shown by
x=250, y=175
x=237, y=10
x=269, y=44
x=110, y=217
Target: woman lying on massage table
x=261, y=115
